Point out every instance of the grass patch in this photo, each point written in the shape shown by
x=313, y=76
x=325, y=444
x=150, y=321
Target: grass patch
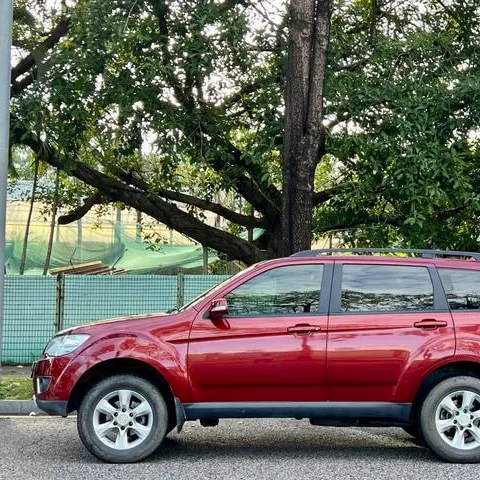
x=16, y=388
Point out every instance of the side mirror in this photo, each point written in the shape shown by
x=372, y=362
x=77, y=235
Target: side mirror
x=218, y=309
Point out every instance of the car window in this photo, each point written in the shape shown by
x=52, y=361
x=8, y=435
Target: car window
x=293, y=289
x=462, y=288
x=371, y=288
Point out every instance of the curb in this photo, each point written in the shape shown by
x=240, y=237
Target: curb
x=19, y=407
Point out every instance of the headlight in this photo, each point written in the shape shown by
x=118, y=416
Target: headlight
x=64, y=344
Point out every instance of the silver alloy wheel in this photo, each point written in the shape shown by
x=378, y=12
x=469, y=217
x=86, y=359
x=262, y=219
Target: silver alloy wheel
x=122, y=419
x=457, y=419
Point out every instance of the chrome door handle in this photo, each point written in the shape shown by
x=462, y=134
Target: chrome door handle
x=430, y=324
x=304, y=329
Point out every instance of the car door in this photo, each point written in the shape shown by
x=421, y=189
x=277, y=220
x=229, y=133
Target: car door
x=387, y=321
x=272, y=344
x=462, y=287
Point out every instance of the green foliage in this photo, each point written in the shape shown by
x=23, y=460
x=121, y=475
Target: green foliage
x=16, y=388
x=410, y=87
x=188, y=95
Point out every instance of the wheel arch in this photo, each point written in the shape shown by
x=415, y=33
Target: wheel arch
x=438, y=375
x=111, y=367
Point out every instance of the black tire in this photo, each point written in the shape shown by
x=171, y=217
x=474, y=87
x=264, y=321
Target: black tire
x=414, y=431
x=158, y=418
x=428, y=416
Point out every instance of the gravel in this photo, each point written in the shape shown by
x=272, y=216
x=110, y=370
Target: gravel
x=49, y=448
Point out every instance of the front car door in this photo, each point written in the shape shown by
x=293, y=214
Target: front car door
x=272, y=344
x=389, y=322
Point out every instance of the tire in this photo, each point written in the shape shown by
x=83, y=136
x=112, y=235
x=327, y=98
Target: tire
x=414, y=431
x=450, y=419
x=122, y=419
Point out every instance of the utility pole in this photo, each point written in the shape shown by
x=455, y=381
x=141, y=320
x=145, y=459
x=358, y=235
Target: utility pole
x=6, y=13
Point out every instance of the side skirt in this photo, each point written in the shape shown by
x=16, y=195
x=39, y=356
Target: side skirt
x=319, y=413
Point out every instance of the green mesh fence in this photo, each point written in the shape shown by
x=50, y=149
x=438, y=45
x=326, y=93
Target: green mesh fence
x=89, y=298
x=36, y=306
x=194, y=285
x=29, y=317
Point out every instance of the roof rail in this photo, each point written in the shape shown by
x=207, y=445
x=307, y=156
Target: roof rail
x=412, y=251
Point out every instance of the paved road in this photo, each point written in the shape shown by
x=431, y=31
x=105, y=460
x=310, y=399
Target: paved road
x=49, y=449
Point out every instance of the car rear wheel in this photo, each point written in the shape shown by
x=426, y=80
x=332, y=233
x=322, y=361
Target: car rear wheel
x=450, y=419
x=122, y=419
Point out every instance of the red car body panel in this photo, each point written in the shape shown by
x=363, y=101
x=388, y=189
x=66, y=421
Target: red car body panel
x=375, y=357
x=253, y=359
x=158, y=341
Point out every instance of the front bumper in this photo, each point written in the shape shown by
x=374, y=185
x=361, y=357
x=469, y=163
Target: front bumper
x=53, y=407
x=51, y=392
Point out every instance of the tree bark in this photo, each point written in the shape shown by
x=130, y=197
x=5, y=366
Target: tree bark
x=52, y=224
x=304, y=138
x=29, y=218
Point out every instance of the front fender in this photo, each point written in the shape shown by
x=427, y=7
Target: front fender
x=167, y=359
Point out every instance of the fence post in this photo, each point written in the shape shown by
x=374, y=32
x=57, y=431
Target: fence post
x=180, y=289
x=59, y=302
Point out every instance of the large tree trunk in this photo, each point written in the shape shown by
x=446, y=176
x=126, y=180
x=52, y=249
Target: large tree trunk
x=29, y=218
x=304, y=134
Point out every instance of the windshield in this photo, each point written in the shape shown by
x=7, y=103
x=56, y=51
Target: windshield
x=217, y=287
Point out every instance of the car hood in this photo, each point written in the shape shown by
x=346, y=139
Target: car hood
x=116, y=321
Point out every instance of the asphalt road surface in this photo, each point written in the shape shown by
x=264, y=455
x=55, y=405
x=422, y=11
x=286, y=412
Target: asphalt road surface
x=39, y=448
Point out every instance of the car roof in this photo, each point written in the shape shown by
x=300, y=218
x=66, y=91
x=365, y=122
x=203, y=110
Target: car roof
x=470, y=264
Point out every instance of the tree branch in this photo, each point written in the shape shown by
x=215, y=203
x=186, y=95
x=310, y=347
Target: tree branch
x=245, y=90
x=328, y=193
x=161, y=11
x=361, y=220
x=161, y=210
x=20, y=85
x=238, y=218
x=358, y=222
x=29, y=61
x=81, y=211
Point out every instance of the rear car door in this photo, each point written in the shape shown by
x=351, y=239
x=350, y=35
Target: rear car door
x=462, y=287
x=272, y=344
x=387, y=321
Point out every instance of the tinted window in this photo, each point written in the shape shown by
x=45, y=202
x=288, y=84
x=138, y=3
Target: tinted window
x=385, y=288
x=284, y=290
x=462, y=288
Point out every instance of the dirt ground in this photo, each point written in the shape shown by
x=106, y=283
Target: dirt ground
x=15, y=371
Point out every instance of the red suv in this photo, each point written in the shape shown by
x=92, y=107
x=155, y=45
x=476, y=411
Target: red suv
x=341, y=340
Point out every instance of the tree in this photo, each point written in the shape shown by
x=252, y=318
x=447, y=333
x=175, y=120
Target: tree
x=386, y=136
x=304, y=137
x=23, y=259
x=53, y=223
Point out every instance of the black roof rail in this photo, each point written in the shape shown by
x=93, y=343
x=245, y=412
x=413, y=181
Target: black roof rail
x=414, y=251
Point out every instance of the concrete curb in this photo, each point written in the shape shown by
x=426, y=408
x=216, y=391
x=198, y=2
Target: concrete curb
x=19, y=407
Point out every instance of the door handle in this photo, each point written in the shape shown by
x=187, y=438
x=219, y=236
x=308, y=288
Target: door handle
x=304, y=329
x=430, y=324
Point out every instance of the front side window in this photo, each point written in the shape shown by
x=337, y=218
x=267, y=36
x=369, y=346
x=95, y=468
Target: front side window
x=462, y=288
x=374, y=288
x=293, y=289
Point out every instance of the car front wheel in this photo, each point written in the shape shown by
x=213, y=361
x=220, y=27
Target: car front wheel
x=450, y=419
x=122, y=419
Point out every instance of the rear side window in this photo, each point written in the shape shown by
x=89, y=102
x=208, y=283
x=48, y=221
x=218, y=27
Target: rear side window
x=462, y=288
x=293, y=289
x=377, y=288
